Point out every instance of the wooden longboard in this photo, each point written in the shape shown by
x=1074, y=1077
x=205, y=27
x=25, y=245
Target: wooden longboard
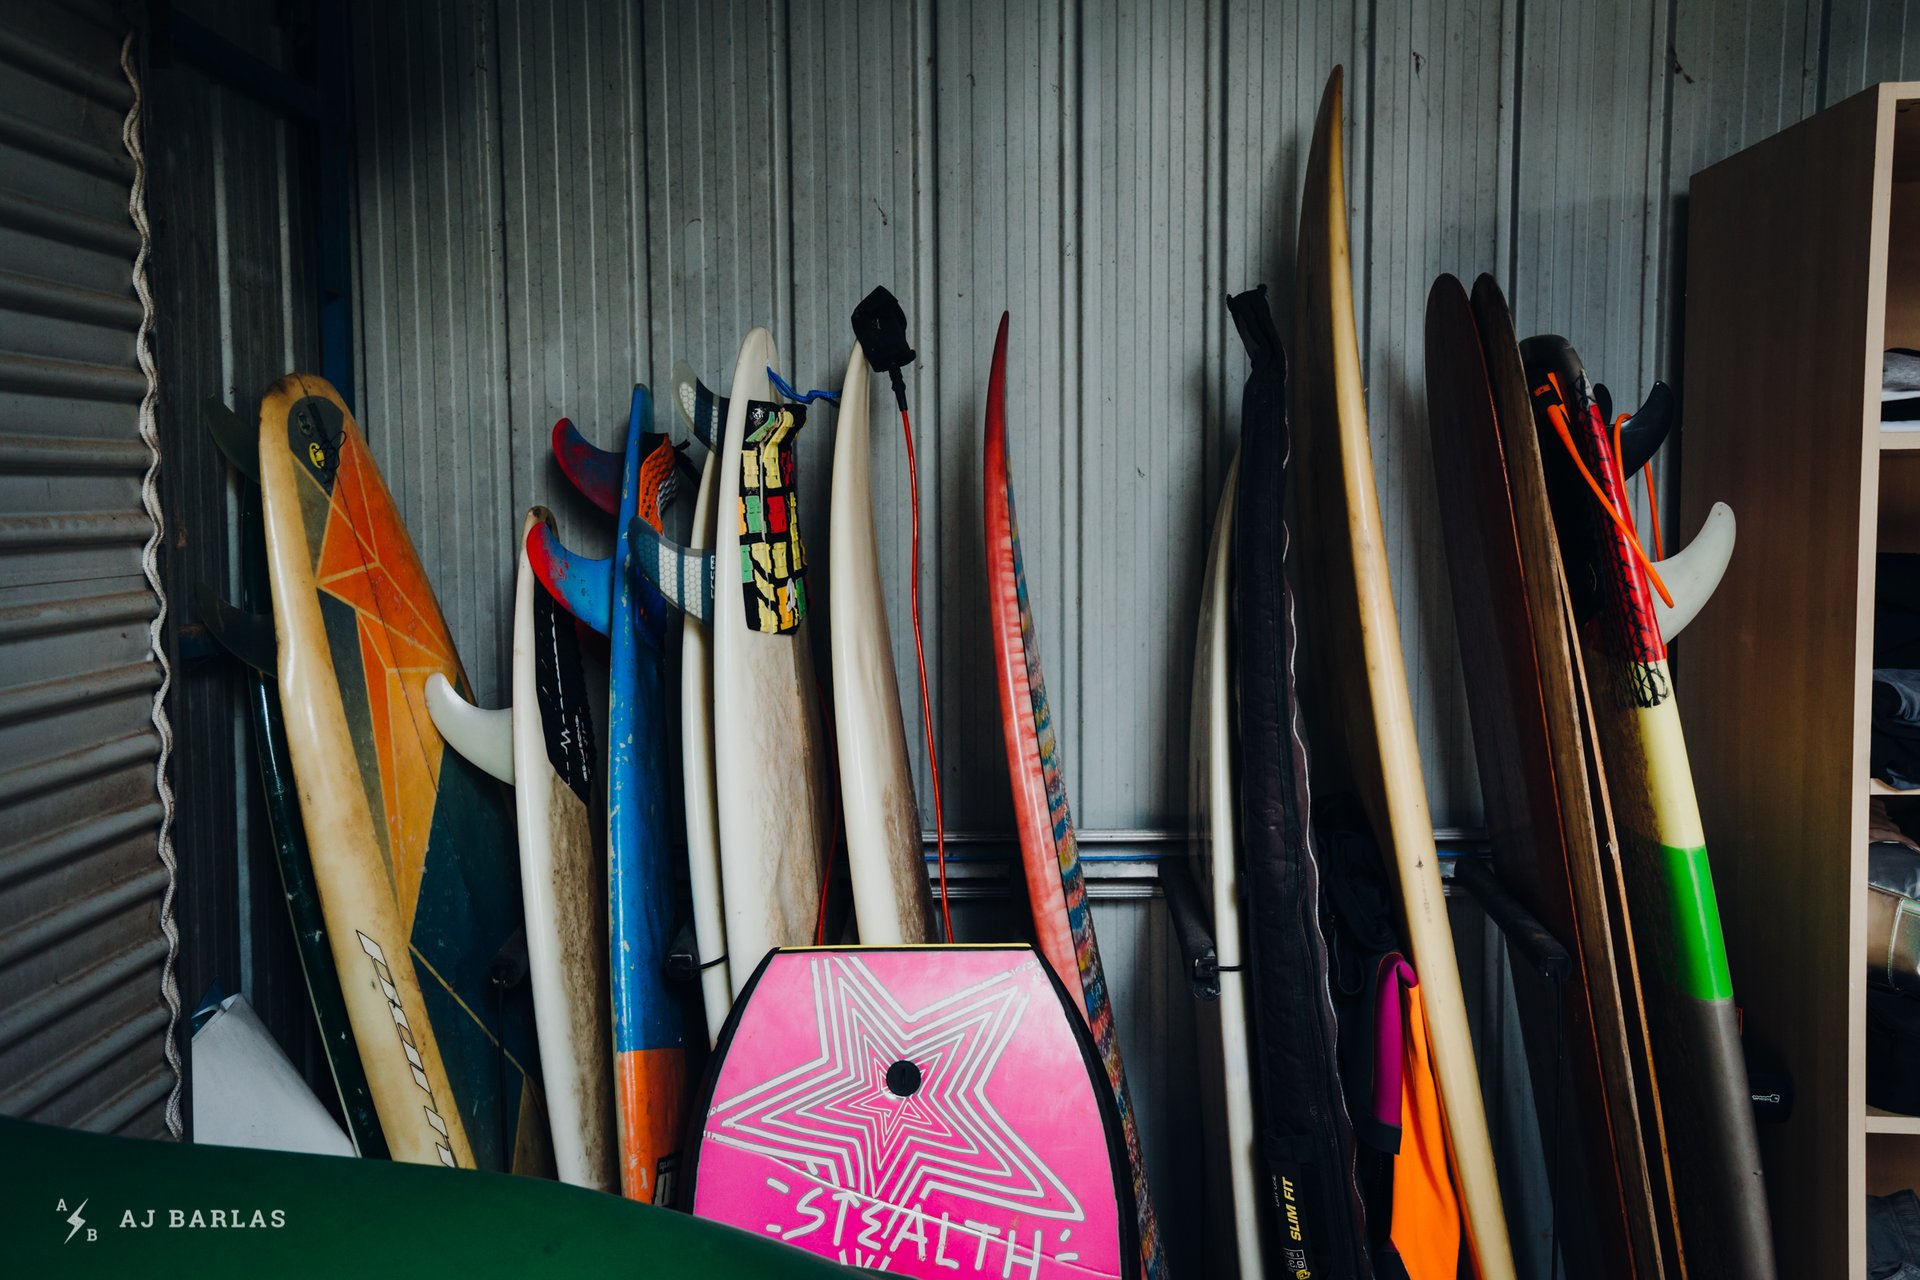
x=412, y=846
x=769, y=759
x=649, y=1037
x=1364, y=740
x=884, y=860
x=546, y=741
x=1226, y=1084
x=1062, y=921
x=1516, y=654
x=1686, y=988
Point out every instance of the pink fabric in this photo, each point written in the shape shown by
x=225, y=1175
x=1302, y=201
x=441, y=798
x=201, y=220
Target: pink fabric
x=1388, y=1045
x=996, y=1164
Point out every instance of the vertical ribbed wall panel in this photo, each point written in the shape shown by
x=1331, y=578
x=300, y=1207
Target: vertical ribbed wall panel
x=1007, y=107
x=575, y=245
x=1587, y=239
x=1432, y=202
x=1146, y=78
x=1869, y=41
x=555, y=200
x=435, y=374
x=235, y=288
x=82, y=1022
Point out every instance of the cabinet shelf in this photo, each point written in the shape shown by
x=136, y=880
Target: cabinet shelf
x=1803, y=252
x=1878, y=1121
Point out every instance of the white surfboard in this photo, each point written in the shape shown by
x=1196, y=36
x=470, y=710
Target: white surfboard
x=769, y=763
x=696, y=752
x=544, y=745
x=1225, y=1047
x=884, y=859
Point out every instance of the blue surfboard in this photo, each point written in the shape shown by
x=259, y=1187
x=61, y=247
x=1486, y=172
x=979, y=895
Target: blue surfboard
x=649, y=1040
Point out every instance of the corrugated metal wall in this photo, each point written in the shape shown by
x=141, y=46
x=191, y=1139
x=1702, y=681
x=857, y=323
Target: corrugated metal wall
x=557, y=199
x=231, y=200
x=82, y=1022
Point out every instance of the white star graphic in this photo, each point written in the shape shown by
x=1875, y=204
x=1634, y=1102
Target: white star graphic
x=836, y=1119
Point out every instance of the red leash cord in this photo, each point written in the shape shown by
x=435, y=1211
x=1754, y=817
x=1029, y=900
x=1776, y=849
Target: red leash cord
x=920, y=660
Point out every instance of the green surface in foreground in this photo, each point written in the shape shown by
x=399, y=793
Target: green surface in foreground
x=327, y=1216
x=1700, y=948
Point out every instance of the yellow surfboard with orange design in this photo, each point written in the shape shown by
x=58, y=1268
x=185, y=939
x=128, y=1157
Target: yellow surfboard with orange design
x=413, y=848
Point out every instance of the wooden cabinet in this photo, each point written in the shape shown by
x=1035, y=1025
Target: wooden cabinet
x=1803, y=265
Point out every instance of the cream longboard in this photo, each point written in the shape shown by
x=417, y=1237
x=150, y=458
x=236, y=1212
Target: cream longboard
x=769, y=764
x=543, y=746
x=412, y=847
x=703, y=413
x=890, y=896
x=1227, y=1092
x=1365, y=744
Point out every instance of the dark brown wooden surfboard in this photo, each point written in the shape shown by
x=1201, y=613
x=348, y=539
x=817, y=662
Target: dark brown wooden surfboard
x=1522, y=683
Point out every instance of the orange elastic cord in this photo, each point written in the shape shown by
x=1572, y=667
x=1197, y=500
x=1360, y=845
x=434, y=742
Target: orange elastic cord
x=1653, y=510
x=1557, y=414
x=1646, y=475
x=926, y=703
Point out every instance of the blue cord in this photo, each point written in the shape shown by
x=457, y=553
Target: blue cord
x=786, y=390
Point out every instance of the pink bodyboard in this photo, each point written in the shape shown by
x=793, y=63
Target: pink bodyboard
x=926, y=1111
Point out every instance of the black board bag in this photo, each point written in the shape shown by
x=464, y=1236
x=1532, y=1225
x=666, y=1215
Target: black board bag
x=1316, y=1219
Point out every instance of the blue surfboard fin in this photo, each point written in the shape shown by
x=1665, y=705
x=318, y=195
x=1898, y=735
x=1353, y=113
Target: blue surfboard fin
x=684, y=576
x=594, y=471
x=703, y=410
x=582, y=584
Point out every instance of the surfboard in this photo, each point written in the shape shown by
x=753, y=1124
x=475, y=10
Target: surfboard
x=708, y=421
x=769, y=763
x=923, y=1111
x=1580, y=755
x=240, y=442
x=1516, y=657
x=1232, y=1244
x=1062, y=921
x=412, y=846
x=1687, y=990
x=1363, y=734
x=74, y=1203
x=544, y=748
x=649, y=1037
x=1312, y=1203
x=891, y=902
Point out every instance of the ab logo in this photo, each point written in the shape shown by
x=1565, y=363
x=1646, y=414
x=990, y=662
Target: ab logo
x=76, y=1222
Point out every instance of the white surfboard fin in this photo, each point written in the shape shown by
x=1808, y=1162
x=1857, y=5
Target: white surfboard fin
x=683, y=575
x=1694, y=573
x=483, y=737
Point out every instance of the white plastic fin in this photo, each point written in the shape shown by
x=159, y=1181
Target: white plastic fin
x=1694, y=573
x=483, y=737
